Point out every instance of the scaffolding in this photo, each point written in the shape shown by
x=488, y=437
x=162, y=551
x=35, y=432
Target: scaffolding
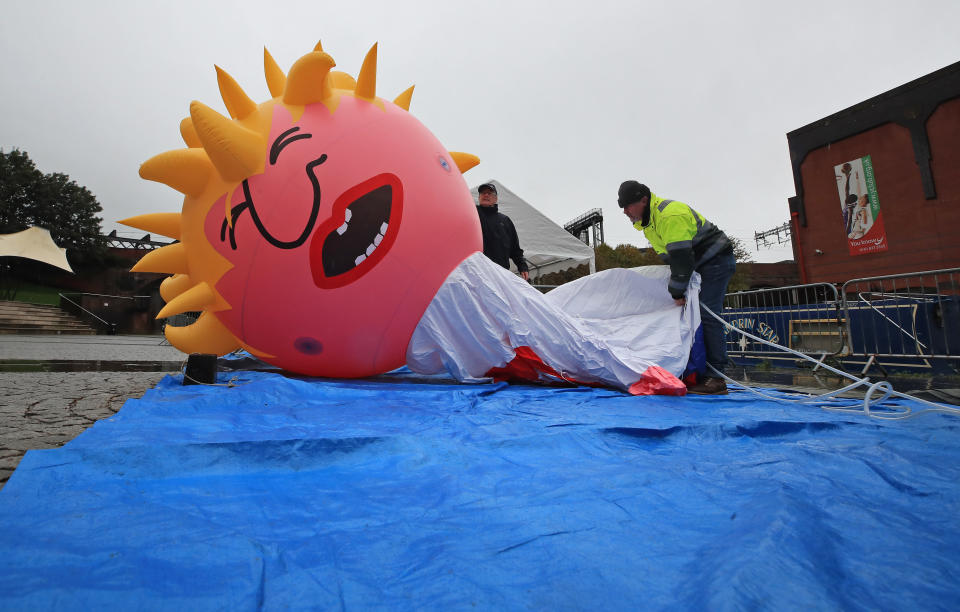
x=147, y=243
x=586, y=226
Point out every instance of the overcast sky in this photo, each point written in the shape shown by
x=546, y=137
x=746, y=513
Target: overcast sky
x=561, y=100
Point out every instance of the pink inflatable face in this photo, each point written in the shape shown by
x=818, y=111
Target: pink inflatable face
x=339, y=245
x=316, y=227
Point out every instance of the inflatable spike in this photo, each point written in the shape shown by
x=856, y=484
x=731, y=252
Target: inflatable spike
x=238, y=103
x=197, y=297
x=367, y=79
x=276, y=80
x=165, y=224
x=170, y=259
x=307, y=81
x=206, y=335
x=189, y=134
x=174, y=285
x=235, y=151
x=186, y=170
x=403, y=100
x=464, y=161
x=342, y=80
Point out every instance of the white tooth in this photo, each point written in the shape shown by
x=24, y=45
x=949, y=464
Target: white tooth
x=342, y=229
x=359, y=260
x=378, y=240
x=383, y=228
x=371, y=249
x=346, y=215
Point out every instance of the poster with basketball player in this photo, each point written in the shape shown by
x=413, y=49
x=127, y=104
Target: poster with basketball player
x=860, y=206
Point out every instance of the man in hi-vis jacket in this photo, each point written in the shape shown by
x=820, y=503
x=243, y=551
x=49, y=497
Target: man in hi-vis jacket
x=686, y=241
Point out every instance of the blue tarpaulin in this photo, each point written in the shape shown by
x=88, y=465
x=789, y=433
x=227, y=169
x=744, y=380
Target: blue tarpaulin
x=411, y=493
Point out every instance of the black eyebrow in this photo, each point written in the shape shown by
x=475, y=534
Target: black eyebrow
x=279, y=143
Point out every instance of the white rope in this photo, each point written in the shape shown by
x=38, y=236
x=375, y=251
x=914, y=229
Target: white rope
x=828, y=401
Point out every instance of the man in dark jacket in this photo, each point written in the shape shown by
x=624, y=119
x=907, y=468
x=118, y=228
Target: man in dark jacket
x=500, y=242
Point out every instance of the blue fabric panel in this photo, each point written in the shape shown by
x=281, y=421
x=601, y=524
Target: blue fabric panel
x=410, y=493
x=698, y=355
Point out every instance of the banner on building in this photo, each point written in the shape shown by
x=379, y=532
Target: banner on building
x=860, y=206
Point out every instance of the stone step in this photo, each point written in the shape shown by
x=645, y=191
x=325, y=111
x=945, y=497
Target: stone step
x=72, y=324
x=38, y=318
x=10, y=313
x=24, y=318
x=14, y=304
x=50, y=329
x=7, y=307
x=46, y=331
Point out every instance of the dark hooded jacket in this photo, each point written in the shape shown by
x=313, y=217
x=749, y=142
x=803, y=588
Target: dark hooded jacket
x=500, y=241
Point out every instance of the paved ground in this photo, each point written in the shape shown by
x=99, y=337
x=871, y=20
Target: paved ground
x=46, y=409
x=87, y=348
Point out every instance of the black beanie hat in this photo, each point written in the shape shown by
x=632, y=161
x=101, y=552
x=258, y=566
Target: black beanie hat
x=630, y=192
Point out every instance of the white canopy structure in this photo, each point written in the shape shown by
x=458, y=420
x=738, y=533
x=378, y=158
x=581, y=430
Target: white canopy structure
x=547, y=247
x=34, y=243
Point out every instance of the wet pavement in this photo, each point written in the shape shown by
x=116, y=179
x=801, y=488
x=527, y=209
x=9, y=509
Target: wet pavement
x=48, y=409
x=54, y=387
x=112, y=350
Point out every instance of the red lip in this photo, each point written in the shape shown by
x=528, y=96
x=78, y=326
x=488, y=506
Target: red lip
x=354, y=232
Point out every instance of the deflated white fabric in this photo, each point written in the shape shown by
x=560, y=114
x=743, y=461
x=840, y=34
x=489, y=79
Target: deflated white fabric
x=606, y=328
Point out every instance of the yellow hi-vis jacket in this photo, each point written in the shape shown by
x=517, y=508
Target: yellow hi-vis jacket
x=682, y=237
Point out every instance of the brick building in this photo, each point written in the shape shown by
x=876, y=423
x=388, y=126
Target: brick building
x=878, y=184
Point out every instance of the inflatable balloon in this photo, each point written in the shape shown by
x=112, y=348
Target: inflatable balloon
x=328, y=232
x=316, y=227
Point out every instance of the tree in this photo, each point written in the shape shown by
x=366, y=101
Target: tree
x=741, y=278
x=740, y=251
x=52, y=201
x=630, y=256
x=624, y=256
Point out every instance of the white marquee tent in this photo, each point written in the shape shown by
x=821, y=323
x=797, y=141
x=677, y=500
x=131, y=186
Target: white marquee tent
x=547, y=247
x=34, y=243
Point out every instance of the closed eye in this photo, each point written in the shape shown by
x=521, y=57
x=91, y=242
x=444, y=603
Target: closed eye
x=283, y=140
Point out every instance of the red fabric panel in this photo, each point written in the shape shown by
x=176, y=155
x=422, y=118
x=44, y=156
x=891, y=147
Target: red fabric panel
x=657, y=381
x=527, y=366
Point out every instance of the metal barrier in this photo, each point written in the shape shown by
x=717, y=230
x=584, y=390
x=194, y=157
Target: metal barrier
x=904, y=320
x=806, y=318
x=90, y=307
x=904, y=315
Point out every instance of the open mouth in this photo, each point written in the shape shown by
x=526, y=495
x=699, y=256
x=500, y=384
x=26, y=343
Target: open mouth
x=360, y=231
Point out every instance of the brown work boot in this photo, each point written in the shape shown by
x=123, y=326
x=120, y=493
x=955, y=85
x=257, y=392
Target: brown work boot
x=709, y=386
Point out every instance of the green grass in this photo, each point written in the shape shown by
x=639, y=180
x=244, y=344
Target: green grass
x=37, y=294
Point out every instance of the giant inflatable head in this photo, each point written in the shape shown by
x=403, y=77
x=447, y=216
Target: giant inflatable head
x=316, y=226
